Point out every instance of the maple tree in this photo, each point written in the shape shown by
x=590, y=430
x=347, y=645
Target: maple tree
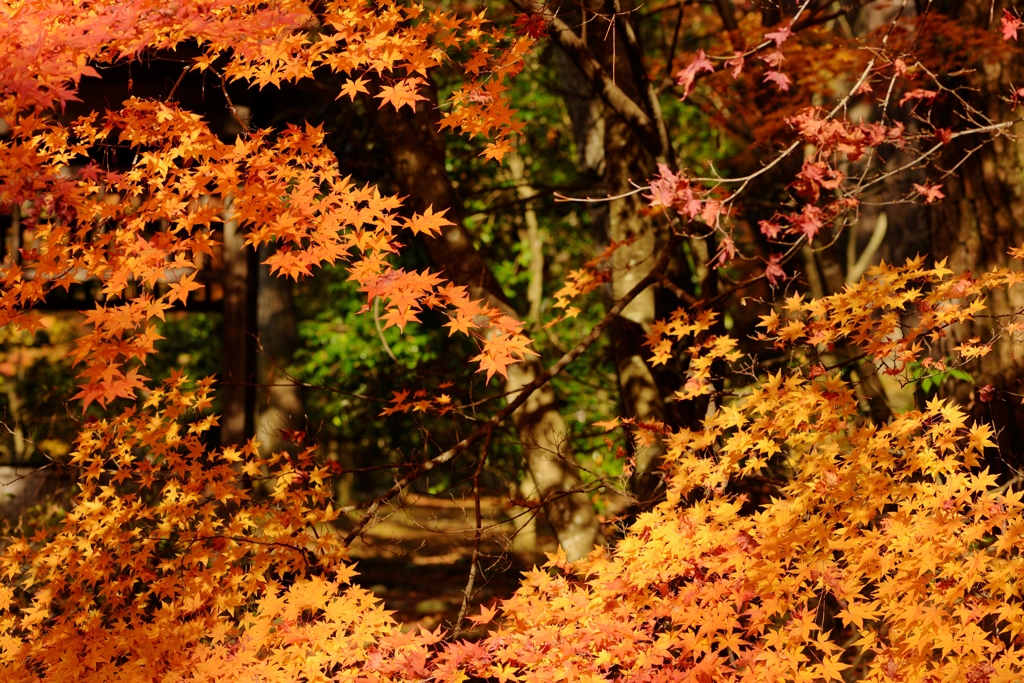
x=794, y=538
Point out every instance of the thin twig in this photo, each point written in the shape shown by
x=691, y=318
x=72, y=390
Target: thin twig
x=244, y=123
x=174, y=89
x=468, y=592
x=937, y=146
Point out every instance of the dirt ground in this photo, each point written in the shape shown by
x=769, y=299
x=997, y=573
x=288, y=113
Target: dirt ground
x=417, y=558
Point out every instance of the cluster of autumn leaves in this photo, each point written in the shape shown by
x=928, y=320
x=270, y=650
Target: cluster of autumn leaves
x=885, y=553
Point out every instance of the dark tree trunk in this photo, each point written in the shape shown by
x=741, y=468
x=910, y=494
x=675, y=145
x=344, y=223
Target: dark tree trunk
x=238, y=390
x=279, y=404
x=983, y=217
x=628, y=159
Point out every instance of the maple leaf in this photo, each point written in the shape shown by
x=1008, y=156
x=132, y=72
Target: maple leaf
x=460, y=323
x=769, y=229
x=505, y=673
x=685, y=77
x=919, y=94
x=781, y=80
x=428, y=222
x=809, y=221
x=497, y=150
x=710, y=212
x=780, y=36
x=494, y=363
x=726, y=252
x=857, y=611
x=665, y=188
x=179, y=290
x=773, y=269
x=770, y=322
x=831, y=668
x=736, y=63
x=973, y=348
x=486, y=616
x=351, y=88
x=773, y=59
x=531, y=24
x=931, y=193
x=402, y=93
x=608, y=425
x=398, y=403
x=1009, y=24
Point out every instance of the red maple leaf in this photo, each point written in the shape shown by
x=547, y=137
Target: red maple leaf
x=685, y=77
x=778, y=78
x=919, y=94
x=773, y=270
x=779, y=37
x=736, y=63
x=931, y=193
x=532, y=25
x=1010, y=24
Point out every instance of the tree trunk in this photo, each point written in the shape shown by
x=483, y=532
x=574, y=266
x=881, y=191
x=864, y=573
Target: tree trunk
x=418, y=153
x=531, y=236
x=626, y=160
x=238, y=390
x=279, y=405
x=641, y=397
x=982, y=217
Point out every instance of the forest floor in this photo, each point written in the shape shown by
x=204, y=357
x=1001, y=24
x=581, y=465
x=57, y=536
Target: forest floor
x=417, y=558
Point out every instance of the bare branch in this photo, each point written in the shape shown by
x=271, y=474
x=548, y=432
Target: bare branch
x=665, y=152
x=503, y=414
x=603, y=84
x=468, y=592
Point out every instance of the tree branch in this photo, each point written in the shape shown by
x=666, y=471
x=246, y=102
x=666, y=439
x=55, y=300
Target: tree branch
x=612, y=95
x=503, y=414
x=665, y=153
x=474, y=561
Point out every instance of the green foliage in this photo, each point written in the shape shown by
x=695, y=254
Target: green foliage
x=932, y=378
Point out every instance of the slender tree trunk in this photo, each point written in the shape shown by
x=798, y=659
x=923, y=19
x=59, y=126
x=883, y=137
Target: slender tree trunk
x=279, y=404
x=13, y=418
x=627, y=160
x=531, y=237
x=238, y=391
x=418, y=154
x=641, y=397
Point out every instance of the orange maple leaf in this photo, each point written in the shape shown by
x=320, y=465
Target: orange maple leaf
x=608, y=425
x=180, y=289
x=428, y=222
x=497, y=150
x=402, y=93
x=351, y=88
